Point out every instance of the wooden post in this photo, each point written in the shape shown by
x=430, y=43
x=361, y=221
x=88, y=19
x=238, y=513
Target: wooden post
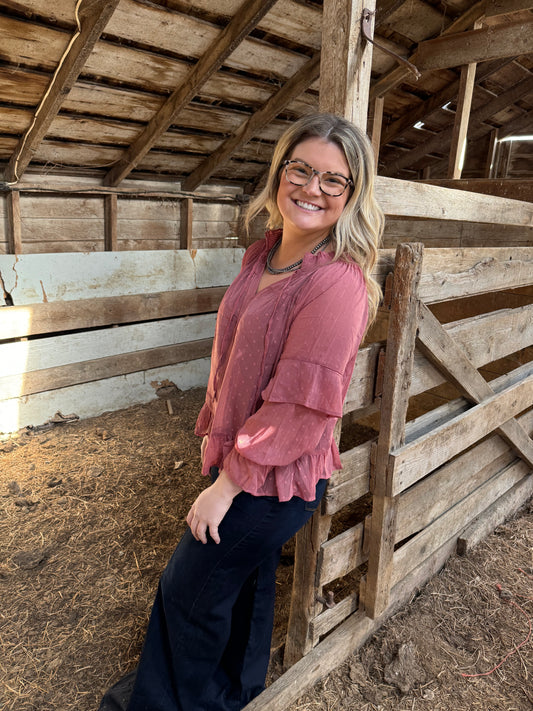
x=462, y=116
x=346, y=60
x=186, y=223
x=399, y=359
x=377, y=122
x=492, y=155
x=110, y=225
x=14, y=227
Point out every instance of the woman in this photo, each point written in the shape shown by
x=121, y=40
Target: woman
x=287, y=335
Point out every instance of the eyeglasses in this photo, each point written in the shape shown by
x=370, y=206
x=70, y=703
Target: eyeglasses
x=300, y=173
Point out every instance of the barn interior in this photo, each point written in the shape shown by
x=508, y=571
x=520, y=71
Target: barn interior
x=133, y=134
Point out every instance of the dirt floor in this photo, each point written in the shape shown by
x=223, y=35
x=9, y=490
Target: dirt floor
x=90, y=512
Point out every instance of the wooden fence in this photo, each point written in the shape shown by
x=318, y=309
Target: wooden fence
x=440, y=477
x=87, y=333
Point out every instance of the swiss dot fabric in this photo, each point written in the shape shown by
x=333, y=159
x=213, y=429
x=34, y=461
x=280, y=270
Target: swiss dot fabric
x=281, y=364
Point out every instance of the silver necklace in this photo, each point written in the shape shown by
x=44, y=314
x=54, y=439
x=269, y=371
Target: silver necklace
x=291, y=267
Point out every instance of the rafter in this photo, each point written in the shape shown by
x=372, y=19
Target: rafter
x=294, y=87
x=440, y=142
x=93, y=17
x=438, y=100
x=233, y=34
x=481, y=45
x=390, y=81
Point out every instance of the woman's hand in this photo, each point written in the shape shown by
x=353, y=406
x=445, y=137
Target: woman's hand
x=210, y=508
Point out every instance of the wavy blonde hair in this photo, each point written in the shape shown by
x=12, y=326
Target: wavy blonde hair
x=357, y=234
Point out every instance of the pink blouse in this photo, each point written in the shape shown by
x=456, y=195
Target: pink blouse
x=281, y=364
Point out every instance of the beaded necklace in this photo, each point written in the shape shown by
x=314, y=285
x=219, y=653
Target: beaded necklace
x=291, y=267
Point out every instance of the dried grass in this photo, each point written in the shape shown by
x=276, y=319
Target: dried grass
x=90, y=513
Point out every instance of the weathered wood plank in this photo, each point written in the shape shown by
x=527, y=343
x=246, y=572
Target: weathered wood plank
x=35, y=278
x=304, y=605
x=55, y=316
x=397, y=380
x=47, y=379
x=211, y=60
x=443, y=352
x=494, y=515
x=352, y=481
x=14, y=227
x=346, y=60
x=453, y=273
x=340, y=555
x=110, y=223
x=492, y=42
x=406, y=198
x=332, y=617
x=514, y=189
x=93, y=17
x=278, y=101
x=462, y=116
x=453, y=521
x=94, y=398
x=416, y=459
x=361, y=389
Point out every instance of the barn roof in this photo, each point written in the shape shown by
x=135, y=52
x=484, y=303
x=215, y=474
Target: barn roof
x=199, y=90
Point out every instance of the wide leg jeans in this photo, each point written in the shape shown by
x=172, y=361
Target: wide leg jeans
x=208, y=641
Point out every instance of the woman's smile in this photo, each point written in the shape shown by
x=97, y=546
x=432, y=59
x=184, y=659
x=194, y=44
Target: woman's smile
x=309, y=214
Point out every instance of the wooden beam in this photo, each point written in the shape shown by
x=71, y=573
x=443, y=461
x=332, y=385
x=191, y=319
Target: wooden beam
x=513, y=189
x=14, y=225
x=404, y=198
x=462, y=116
x=396, y=76
x=494, y=8
x=491, y=154
x=426, y=453
x=93, y=17
x=60, y=189
x=435, y=102
x=377, y=122
x=53, y=316
x=399, y=358
x=480, y=45
x=441, y=141
x=346, y=60
x=440, y=348
x=186, y=215
x=295, y=86
x=242, y=23
x=64, y=376
x=110, y=223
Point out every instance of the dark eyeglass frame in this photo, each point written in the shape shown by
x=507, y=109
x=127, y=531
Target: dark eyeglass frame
x=318, y=173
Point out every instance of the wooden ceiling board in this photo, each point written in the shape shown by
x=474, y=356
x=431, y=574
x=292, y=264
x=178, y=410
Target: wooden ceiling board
x=416, y=21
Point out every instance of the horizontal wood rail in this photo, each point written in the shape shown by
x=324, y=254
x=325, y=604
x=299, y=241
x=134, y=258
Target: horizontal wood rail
x=56, y=316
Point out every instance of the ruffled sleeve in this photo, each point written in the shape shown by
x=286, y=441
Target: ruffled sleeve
x=304, y=398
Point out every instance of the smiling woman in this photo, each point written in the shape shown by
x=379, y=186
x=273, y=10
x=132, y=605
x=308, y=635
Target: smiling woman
x=287, y=334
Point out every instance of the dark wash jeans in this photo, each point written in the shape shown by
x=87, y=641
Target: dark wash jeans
x=207, y=646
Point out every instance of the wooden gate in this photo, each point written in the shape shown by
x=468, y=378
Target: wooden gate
x=444, y=476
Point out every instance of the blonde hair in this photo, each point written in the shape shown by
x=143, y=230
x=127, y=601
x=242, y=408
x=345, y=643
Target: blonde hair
x=358, y=231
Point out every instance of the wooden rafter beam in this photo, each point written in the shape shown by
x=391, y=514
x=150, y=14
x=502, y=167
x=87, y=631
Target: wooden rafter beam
x=396, y=76
x=440, y=142
x=292, y=88
x=93, y=17
x=506, y=7
x=438, y=100
x=233, y=34
x=493, y=42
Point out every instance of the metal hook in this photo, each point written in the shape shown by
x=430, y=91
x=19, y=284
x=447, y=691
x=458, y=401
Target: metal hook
x=366, y=29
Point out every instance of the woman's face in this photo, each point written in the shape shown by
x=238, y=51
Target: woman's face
x=307, y=212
